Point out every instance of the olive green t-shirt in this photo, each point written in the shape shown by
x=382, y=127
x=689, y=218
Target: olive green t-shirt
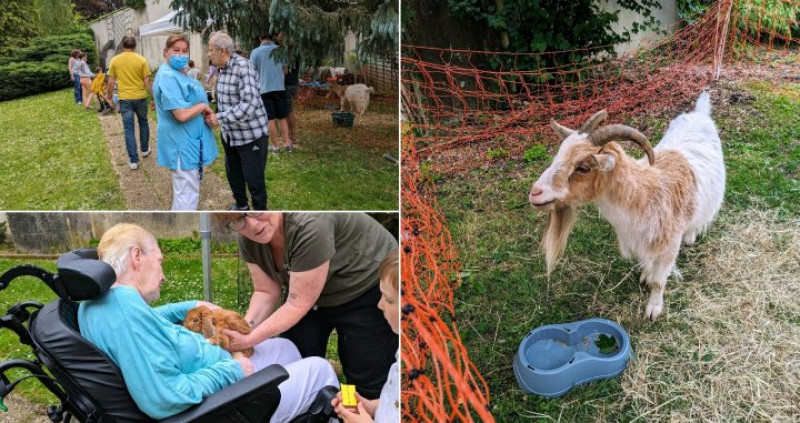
x=354, y=243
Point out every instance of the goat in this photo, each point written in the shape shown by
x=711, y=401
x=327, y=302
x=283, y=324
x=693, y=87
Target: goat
x=357, y=95
x=651, y=207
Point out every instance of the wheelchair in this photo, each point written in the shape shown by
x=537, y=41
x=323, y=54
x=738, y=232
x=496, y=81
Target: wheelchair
x=89, y=385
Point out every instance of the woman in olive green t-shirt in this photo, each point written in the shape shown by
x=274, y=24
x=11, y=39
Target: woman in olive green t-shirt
x=328, y=262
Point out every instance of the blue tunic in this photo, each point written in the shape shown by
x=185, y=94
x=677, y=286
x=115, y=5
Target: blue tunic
x=166, y=367
x=173, y=90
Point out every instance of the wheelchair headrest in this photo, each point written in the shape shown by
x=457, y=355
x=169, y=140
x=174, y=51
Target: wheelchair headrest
x=83, y=276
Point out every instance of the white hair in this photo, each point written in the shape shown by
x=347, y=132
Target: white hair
x=118, y=242
x=222, y=41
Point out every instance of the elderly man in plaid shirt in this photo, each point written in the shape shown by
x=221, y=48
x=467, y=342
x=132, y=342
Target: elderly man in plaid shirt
x=245, y=134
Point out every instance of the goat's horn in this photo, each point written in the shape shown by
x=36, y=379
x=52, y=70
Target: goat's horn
x=591, y=124
x=610, y=133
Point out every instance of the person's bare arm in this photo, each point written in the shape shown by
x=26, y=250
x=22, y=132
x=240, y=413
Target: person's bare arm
x=184, y=115
x=304, y=291
x=266, y=295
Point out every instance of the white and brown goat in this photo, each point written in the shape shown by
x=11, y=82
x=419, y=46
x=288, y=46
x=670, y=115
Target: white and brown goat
x=653, y=203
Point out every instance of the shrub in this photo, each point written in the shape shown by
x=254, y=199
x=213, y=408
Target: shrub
x=27, y=78
x=57, y=47
x=42, y=65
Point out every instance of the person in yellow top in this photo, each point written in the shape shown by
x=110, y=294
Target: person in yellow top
x=99, y=86
x=132, y=73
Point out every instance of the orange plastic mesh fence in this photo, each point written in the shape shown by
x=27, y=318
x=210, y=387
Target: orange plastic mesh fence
x=467, y=108
x=440, y=384
x=487, y=102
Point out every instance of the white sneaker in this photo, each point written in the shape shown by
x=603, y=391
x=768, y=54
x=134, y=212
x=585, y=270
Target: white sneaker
x=134, y=166
x=146, y=153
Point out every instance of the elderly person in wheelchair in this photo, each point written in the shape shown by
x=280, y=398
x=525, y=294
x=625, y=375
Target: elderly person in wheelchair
x=166, y=367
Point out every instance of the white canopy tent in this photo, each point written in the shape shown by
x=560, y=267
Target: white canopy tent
x=161, y=26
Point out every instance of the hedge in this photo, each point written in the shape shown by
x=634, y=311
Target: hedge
x=27, y=78
x=42, y=65
x=54, y=46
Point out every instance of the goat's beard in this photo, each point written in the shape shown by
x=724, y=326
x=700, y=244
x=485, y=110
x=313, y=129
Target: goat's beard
x=555, y=239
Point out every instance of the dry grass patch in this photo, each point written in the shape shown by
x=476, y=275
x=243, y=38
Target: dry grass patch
x=741, y=323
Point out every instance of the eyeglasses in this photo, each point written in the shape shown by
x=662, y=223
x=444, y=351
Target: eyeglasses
x=239, y=223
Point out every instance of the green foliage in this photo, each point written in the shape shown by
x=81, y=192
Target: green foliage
x=313, y=29
x=18, y=23
x=497, y=153
x=50, y=47
x=27, y=78
x=56, y=17
x=606, y=344
x=3, y=229
x=536, y=153
x=135, y=4
x=384, y=35
x=775, y=17
x=690, y=11
x=42, y=65
x=553, y=25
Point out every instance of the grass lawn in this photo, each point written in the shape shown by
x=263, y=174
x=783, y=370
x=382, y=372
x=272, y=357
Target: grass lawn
x=726, y=347
x=54, y=156
x=335, y=168
x=183, y=271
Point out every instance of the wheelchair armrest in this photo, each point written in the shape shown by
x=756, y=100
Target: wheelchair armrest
x=252, y=399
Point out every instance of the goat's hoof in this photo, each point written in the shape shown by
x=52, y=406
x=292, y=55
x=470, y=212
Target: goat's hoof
x=653, y=311
x=643, y=279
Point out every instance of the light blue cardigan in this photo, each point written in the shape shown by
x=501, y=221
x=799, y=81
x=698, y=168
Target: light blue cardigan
x=166, y=367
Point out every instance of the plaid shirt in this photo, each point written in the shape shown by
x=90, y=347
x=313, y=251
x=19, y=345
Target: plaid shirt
x=240, y=110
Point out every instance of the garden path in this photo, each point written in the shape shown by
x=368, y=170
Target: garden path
x=150, y=186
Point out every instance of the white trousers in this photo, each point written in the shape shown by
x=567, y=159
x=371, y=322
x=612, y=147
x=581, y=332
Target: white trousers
x=307, y=376
x=185, y=188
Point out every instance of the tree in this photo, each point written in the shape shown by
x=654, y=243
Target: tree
x=93, y=9
x=314, y=29
x=56, y=17
x=19, y=22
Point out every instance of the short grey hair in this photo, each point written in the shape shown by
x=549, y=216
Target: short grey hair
x=222, y=41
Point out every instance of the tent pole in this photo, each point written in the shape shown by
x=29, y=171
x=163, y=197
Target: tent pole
x=205, y=240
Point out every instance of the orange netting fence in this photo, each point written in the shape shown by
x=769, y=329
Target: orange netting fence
x=468, y=108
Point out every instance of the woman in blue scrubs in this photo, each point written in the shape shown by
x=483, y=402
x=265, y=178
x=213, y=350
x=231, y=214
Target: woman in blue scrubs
x=185, y=142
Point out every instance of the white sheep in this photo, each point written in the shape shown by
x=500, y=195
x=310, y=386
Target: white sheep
x=358, y=97
x=652, y=207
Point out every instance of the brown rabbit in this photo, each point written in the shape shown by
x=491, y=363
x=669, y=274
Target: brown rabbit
x=210, y=323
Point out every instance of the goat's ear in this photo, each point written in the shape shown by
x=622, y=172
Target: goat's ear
x=562, y=131
x=605, y=162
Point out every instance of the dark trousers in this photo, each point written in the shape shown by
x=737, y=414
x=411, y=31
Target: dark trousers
x=367, y=345
x=244, y=166
x=129, y=108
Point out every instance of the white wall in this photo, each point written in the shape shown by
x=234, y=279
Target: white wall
x=668, y=15
x=149, y=47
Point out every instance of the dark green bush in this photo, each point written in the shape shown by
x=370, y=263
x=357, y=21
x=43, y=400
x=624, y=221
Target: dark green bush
x=42, y=65
x=49, y=48
x=27, y=78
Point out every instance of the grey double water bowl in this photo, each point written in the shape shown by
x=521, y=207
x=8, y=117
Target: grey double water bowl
x=554, y=358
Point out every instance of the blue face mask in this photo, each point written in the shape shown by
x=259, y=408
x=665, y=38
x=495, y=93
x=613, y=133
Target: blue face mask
x=178, y=61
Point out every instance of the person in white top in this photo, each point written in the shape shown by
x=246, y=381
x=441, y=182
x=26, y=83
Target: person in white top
x=193, y=71
x=385, y=409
